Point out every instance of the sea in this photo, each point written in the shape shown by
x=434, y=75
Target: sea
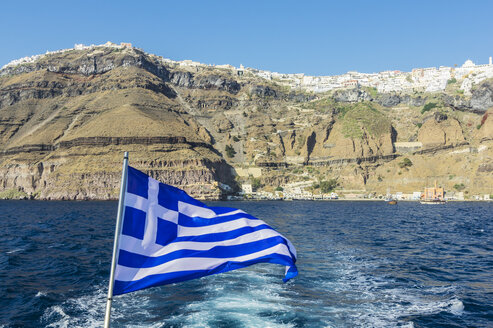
x=361, y=264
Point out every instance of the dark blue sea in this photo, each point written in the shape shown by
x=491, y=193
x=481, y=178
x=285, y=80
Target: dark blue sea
x=361, y=264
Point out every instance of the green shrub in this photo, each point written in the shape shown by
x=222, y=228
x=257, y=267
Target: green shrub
x=364, y=117
x=459, y=187
x=406, y=162
x=256, y=184
x=428, y=107
x=328, y=186
x=279, y=188
x=230, y=151
x=13, y=194
x=236, y=139
x=452, y=81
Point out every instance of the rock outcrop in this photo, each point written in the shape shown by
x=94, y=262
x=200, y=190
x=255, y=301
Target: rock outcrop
x=440, y=130
x=352, y=95
x=480, y=101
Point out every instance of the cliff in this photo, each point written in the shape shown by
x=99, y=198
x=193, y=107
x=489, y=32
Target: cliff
x=66, y=118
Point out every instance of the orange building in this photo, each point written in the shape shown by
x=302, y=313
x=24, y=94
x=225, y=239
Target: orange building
x=433, y=193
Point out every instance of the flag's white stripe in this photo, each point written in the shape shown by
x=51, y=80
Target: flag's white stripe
x=134, y=246
x=231, y=213
x=195, y=211
x=220, y=227
x=192, y=263
x=136, y=201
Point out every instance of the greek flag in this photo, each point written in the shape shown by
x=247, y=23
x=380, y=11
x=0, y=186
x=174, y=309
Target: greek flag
x=168, y=236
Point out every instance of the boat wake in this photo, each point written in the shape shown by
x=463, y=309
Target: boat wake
x=363, y=299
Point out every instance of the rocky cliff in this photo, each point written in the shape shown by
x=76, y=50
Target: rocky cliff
x=66, y=118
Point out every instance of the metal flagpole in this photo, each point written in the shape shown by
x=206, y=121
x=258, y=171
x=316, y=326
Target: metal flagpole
x=114, y=259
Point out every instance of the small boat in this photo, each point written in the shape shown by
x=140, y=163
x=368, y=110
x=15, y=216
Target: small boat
x=433, y=201
x=390, y=199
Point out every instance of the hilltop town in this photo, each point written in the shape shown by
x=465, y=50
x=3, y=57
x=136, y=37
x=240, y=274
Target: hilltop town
x=431, y=79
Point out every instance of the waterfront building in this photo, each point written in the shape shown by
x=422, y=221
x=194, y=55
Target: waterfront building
x=246, y=188
x=433, y=193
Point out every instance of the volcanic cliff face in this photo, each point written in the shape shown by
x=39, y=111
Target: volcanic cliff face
x=67, y=118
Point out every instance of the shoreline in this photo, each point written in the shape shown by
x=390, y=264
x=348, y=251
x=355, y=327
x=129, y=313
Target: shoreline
x=254, y=200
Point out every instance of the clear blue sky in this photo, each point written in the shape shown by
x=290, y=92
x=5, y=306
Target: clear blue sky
x=313, y=37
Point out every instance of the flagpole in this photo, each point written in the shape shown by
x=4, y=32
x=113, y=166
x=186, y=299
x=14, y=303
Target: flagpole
x=121, y=202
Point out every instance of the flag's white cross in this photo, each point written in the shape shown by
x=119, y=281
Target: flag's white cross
x=154, y=210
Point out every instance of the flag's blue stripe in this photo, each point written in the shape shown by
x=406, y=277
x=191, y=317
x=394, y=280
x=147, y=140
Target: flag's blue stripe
x=134, y=260
x=122, y=287
x=169, y=197
x=188, y=221
x=220, y=236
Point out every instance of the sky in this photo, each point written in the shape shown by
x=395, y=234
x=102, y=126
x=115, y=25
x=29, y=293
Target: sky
x=311, y=37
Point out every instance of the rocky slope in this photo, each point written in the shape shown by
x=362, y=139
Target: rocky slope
x=65, y=122
x=66, y=119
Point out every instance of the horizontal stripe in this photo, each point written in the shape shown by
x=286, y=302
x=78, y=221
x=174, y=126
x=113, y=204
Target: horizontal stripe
x=133, y=260
x=122, y=287
x=223, y=235
x=195, y=211
x=218, y=228
x=223, y=211
x=205, y=212
x=191, y=264
x=134, y=245
x=136, y=201
x=187, y=221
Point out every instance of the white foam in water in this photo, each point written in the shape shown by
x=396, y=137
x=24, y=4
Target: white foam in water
x=39, y=294
x=367, y=300
x=15, y=251
x=354, y=297
x=88, y=310
x=456, y=307
x=56, y=313
x=252, y=305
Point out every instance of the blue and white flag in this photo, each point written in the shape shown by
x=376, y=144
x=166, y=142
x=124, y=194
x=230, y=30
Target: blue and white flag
x=168, y=236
